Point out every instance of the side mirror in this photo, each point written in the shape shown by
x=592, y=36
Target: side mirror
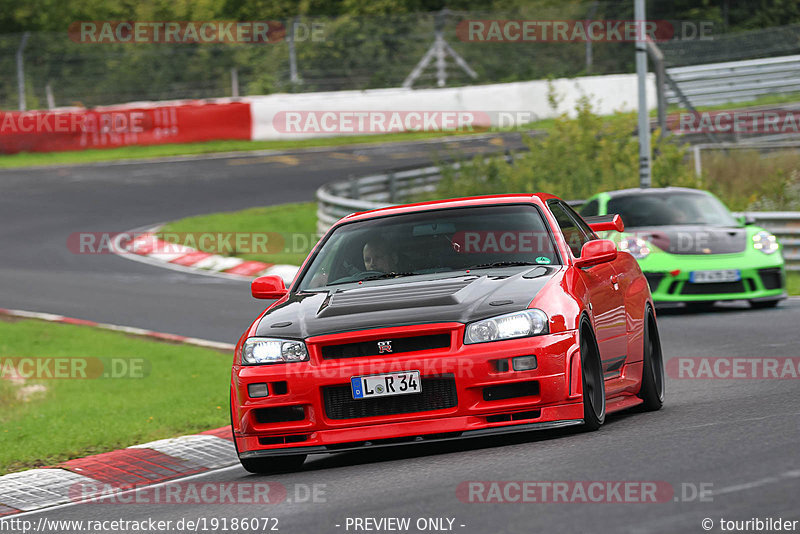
x=747, y=219
x=597, y=252
x=268, y=287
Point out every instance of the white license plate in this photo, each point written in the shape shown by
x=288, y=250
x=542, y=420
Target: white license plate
x=402, y=383
x=705, y=277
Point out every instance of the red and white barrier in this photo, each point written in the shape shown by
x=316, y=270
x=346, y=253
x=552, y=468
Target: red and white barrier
x=306, y=115
x=115, y=126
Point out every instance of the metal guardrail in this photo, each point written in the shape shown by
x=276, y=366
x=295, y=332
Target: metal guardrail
x=339, y=199
x=737, y=81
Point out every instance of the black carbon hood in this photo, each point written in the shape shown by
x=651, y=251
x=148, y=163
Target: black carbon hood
x=700, y=240
x=460, y=298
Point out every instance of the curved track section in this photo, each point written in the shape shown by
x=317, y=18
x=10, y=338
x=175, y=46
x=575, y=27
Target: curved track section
x=734, y=440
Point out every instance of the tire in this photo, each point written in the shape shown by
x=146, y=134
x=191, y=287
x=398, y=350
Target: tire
x=594, y=389
x=275, y=464
x=763, y=304
x=652, y=390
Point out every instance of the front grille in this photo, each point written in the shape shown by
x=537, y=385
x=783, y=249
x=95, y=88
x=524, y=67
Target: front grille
x=771, y=278
x=398, y=345
x=712, y=289
x=437, y=394
x=653, y=279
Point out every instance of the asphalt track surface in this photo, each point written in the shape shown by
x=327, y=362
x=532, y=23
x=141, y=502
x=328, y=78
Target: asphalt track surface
x=737, y=438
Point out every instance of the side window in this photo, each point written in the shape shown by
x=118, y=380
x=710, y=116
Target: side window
x=590, y=209
x=575, y=236
x=581, y=223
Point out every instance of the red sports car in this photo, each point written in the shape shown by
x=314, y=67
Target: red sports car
x=445, y=320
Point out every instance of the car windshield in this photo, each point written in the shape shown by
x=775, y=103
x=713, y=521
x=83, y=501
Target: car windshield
x=670, y=209
x=432, y=242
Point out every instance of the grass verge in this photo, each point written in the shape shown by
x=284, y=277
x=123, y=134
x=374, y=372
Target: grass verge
x=793, y=283
x=184, y=390
x=290, y=230
x=29, y=159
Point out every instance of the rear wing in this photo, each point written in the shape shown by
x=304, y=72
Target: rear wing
x=605, y=223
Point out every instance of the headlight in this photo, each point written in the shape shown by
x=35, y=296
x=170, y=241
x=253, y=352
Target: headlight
x=259, y=350
x=509, y=326
x=765, y=242
x=639, y=248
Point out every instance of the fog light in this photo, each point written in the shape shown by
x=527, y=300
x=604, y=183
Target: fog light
x=257, y=391
x=524, y=363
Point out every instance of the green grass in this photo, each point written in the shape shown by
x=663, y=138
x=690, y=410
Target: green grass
x=286, y=219
x=28, y=159
x=793, y=283
x=185, y=391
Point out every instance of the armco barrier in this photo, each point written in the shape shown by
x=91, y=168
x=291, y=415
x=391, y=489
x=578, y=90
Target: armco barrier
x=338, y=199
x=142, y=124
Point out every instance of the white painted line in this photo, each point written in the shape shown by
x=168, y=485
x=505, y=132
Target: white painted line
x=758, y=483
x=126, y=329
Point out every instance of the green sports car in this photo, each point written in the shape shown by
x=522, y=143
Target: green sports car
x=692, y=250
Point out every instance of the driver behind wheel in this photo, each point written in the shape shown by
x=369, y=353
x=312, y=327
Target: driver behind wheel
x=378, y=256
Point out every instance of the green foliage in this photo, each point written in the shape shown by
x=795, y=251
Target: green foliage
x=581, y=155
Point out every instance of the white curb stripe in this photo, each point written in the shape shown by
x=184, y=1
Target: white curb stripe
x=39, y=488
x=208, y=451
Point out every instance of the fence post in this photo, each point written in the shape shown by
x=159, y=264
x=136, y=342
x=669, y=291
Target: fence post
x=21, y=71
x=48, y=91
x=392, y=188
x=354, y=187
x=293, y=77
x=234, y=82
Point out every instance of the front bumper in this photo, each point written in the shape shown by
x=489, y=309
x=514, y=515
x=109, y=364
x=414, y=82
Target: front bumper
x=548, y=396
x=764, y=279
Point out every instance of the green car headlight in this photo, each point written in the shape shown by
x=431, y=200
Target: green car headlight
x=638, y=248
x=531, y=322
x=263, y=350
x=765, y=242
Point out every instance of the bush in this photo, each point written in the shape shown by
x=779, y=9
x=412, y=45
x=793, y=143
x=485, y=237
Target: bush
x=579, y=157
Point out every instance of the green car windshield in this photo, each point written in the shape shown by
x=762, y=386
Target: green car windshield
x=670, y=209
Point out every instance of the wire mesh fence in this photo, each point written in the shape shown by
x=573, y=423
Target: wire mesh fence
x=349, y=52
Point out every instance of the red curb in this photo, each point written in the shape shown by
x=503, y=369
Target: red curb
x=248, y=268
x=222, y=432
x=191, y=258
x=7, y=510
x=82, y=322
x=168, y=337
x=127, y=468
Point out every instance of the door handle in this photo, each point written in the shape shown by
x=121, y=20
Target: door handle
x=615, y=281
